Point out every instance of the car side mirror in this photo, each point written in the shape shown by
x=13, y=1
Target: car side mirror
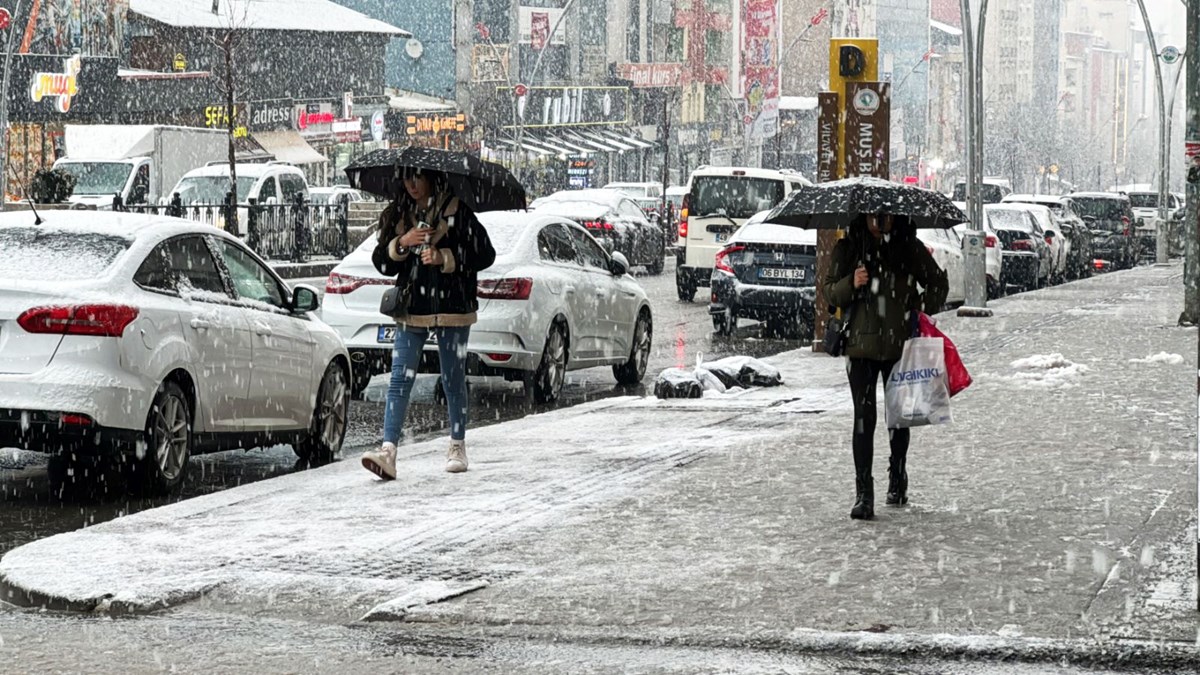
x=305, y=299
x=619, y=265
x=1050, y=234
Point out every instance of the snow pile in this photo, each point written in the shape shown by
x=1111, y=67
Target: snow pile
x=1047, y=370
x=1161, y=357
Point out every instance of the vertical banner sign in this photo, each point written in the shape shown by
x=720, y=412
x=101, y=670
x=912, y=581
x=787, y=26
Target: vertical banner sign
x=854, y=18
x=539, y=30
x=868, y=126
x=760, y=67
x=829, y=117
x=828, y=114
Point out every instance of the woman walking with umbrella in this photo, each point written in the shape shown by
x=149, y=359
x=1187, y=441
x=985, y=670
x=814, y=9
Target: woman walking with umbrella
x=873, y=277
x=430, y=239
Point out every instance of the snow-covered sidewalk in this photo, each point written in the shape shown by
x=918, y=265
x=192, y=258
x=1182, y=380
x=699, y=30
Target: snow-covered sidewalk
x=1053, y=506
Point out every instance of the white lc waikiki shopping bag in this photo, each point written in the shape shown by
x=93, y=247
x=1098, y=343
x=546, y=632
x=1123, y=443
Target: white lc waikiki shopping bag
x=916, y=394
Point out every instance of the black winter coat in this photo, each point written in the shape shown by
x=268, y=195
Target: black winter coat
x=443, y=295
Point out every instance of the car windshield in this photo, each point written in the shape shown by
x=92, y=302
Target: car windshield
x=39, y=254
x=211, y=189
x=98, y=178
x=1107, y=212
x=1144, y=200
x=1009, y=219
x=734, y=196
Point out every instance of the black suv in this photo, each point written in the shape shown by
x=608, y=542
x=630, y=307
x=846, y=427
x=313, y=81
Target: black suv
x=1109, y=215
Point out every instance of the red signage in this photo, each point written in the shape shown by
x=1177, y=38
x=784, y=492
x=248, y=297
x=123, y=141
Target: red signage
x=539, y=30
x=5, y=19
x=307, y=119
x=651, y=75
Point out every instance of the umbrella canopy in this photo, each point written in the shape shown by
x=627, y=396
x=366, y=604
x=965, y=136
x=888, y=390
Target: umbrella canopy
x=837, y=204
x=482, y=186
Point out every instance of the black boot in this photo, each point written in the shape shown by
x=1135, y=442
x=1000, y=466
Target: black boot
x=864, y=501
x=897, y=494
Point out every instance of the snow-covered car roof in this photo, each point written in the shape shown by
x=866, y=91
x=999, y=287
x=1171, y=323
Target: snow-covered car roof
x=677, y=191
x=247, y=170
x=1044, y=200
x=610, y=198
x=131, y=225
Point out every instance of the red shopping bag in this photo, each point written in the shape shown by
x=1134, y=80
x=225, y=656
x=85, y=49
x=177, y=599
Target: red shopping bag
x=957, y=377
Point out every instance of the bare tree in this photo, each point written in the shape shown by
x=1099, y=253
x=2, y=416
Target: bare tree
x=228, y=41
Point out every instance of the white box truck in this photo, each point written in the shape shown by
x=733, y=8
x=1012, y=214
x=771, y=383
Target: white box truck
x=139, y=162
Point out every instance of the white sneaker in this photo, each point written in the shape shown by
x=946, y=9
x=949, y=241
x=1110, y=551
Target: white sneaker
x=381, y=462
x=456, y=457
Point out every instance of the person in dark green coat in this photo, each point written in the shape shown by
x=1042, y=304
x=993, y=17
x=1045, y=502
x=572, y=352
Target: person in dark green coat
x=881, y=274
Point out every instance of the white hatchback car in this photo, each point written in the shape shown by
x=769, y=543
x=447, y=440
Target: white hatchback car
x=554, y=301
x=946, y=248
x=154, y=339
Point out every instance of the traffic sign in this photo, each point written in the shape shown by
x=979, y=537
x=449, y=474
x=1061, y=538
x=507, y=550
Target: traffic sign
x=1170, y=54
x=5, y=19
x=521, y=90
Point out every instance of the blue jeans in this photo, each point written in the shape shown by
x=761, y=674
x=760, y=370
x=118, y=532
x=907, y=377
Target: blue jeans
x=406, y=356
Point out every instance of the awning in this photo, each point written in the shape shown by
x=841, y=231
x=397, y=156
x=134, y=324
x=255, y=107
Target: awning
x=632, y=141
x=566, y=146
x=246, y=149
x=525, y=145
x=288, y=146
x=618, y=141
x=590, y=141
x=602, y=143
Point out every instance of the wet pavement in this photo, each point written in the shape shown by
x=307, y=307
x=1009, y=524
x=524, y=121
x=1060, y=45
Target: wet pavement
x=682, y=333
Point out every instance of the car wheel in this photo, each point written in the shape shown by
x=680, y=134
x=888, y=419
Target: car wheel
x=324, y=438
x=633, y=370
x=684, y=286
x=658, y=258
x=167, y=440
x=547, y=381
x=725, y=323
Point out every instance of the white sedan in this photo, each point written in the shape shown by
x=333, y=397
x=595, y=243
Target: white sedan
x=152, y=339
x=554, y=301
x=946, y=248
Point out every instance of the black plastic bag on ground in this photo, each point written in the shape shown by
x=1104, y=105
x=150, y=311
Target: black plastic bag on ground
x=744, y=371
x=677, y=383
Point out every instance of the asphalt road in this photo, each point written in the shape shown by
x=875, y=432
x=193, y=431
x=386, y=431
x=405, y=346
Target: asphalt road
x=682, y=334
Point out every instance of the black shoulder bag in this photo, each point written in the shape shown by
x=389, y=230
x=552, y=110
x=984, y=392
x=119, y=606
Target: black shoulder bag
x=837, y=332
x=396, y=299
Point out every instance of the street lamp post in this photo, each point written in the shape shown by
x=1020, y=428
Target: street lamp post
x=1164, y=157
x=972, y=42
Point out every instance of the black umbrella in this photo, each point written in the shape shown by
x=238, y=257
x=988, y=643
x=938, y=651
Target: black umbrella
x=839, y=203
x=482, y=186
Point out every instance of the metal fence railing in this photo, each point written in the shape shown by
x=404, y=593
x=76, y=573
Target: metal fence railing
x=293, y=231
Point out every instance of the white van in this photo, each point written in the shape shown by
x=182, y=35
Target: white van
x=719, y=200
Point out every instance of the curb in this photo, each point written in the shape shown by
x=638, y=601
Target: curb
x=1088, y=653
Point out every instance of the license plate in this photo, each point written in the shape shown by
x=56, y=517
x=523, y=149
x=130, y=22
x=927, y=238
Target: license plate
x=778, y=273
x=722, y=237
x=387, y=334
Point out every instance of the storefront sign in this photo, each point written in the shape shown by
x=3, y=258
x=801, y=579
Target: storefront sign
x=217, y=117
x=648, y=75
x=489, y=63
x=868, y=119
x=567, y=106
x=579, y=172
x=60, y=86
x=314, y=119
x=827, y=136
x=348, y=130
x=539, y=30
x=434, y=124
x=378, y=126
x=271, y=115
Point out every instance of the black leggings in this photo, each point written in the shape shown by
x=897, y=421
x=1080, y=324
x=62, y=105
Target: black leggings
x=864, y=374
